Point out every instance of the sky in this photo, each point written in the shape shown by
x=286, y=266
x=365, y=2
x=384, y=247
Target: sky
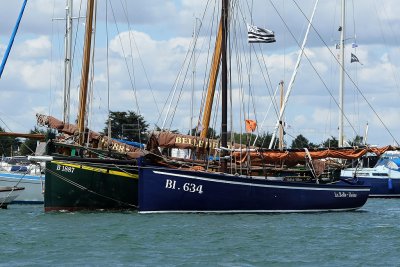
x=155, y=71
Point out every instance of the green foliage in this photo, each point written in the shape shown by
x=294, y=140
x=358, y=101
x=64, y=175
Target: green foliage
x=331, y=142
x=263, y=140
x=357, y=141
x=211, y=133
x=246, y=138
x=8, y=144
x=300, y=142
x=157, y=128
x=127, y=125
x=28, y=147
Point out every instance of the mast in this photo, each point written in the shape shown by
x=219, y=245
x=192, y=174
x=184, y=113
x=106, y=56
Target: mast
x=212, y=83
x=224, y=83
x=10, y=43
x=85, y=70
x=281, y=122
x=341, y=81
x=67, y=59
x=193, y=73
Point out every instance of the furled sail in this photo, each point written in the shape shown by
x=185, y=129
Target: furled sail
x=292, y=157
x=100, y=141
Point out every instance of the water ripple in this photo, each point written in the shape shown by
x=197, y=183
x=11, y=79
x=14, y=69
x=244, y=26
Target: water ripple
x=368, y=237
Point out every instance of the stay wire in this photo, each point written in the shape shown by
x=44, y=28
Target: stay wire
x=393, y=33
x=348, y=76
x=267, y=80
x=308, y=59
x=139, y=55
x=205, y=80
x=171, y=93
x=125, y=60
x=83, y=188
x=132, y=37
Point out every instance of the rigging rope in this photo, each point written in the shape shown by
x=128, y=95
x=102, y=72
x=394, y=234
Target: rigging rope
x=348, y=76
x=131, y=36
x=83, y=188
x=131, y=79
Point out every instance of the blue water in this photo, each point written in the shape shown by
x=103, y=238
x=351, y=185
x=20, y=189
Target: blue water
x=368, y=237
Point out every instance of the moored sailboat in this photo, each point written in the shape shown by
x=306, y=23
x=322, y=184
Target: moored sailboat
x=172, y=185
x=383, y=177
x=86, y=170
x=88, y=178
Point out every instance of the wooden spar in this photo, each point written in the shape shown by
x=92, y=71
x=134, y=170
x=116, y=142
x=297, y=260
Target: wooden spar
x=212, y=83
x=281, y=122
x=85, y=70
x=30, y=136
x=224, y=84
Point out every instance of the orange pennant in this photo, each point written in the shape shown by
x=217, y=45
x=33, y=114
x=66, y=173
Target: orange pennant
x=251, y=126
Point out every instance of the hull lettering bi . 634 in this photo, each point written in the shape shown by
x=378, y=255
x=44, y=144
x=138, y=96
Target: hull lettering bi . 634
x=187, y=187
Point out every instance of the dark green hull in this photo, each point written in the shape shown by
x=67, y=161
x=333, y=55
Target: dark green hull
x=87, y=186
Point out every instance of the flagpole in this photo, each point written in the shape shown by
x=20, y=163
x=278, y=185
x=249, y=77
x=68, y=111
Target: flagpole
x=341, y=81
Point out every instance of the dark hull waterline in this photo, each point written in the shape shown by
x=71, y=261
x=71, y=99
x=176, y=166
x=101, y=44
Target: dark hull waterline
x=171, y=190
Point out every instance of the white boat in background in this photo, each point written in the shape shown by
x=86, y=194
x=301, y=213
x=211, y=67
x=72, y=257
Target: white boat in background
x=8, y=194
x=14, y=175
x=16, y=171
x=384, y=177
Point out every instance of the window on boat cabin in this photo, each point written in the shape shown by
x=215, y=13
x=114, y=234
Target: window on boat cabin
x=380, y=174
x=362, y=174
x=392, y=165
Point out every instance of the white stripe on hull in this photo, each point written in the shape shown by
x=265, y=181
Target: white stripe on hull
x=261, y=185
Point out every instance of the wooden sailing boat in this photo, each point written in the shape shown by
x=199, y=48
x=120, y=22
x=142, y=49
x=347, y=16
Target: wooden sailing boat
x=86, y=170
x=184, y=187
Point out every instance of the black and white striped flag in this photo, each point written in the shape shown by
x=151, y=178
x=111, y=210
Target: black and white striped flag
x=259, y=35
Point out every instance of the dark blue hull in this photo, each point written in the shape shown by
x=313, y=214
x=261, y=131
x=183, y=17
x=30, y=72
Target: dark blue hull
x=171, y=190
x=382, y=187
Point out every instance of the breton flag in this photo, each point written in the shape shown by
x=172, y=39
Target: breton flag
x=259, y=35
x=354, y=58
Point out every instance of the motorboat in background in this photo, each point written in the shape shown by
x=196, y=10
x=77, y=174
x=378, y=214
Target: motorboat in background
x=18, y=171
x=384, y=177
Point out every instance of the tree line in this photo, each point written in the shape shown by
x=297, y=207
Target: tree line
x=131, y=126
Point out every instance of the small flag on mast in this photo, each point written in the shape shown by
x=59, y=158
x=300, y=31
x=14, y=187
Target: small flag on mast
x=260, y=35
x=354, y=58
x=251, y=126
